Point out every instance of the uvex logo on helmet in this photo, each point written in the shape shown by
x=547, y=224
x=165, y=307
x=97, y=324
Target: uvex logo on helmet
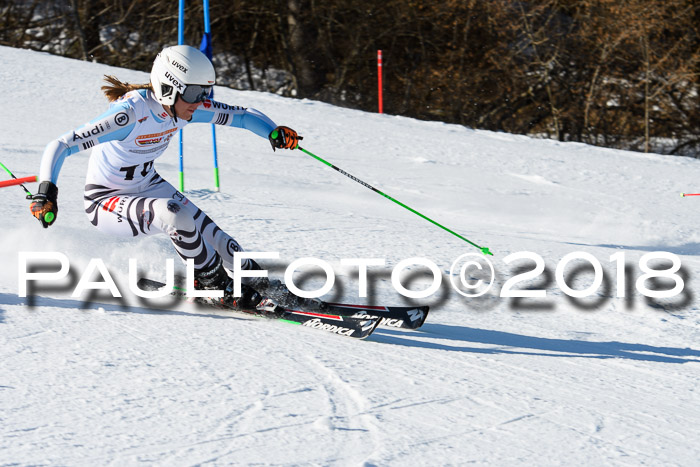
x=180, y=66
x=180, y=87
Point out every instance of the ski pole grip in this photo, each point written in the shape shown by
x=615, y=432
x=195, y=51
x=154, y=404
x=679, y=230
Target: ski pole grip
x=49, y=217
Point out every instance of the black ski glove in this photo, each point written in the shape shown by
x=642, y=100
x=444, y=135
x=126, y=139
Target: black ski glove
x=284, y=137
x=44, y=204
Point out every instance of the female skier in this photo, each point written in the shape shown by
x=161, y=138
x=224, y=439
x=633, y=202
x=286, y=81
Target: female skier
x=124, y=195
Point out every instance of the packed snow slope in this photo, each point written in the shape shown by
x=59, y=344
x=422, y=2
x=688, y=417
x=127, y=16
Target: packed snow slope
x=609, y=379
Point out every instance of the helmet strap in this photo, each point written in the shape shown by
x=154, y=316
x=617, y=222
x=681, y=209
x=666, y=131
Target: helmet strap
x=172, y=107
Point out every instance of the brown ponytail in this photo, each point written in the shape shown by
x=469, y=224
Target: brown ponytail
x=116, y=89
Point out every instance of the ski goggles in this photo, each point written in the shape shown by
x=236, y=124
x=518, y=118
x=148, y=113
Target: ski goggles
x=195, y=93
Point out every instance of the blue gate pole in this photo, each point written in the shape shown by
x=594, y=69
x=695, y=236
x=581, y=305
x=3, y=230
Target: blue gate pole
x=181, y=41
x=206, y=47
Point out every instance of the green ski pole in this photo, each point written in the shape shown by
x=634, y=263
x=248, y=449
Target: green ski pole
x=13, y=176
x=49, y=216
x=484, y=250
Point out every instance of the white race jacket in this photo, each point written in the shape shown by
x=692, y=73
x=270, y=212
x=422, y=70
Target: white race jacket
x=134, y=132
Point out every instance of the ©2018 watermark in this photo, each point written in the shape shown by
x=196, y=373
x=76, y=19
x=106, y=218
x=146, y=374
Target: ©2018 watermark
x=471, y=275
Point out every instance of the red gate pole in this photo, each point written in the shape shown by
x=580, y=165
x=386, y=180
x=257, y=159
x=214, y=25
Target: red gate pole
x=17, y=181
x=379, y=80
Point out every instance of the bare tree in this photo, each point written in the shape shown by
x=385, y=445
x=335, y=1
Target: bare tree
x=622, y=74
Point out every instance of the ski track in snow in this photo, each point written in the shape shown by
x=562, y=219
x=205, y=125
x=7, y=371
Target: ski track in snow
x=547, y=381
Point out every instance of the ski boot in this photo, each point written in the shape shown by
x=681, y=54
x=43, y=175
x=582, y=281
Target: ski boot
x=280, y=294
x=216, y=278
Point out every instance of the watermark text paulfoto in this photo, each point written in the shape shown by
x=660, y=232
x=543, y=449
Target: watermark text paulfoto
x=656, y=275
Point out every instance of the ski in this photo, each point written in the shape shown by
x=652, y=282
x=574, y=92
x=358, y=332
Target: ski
x=407, y=317
x=359, y=327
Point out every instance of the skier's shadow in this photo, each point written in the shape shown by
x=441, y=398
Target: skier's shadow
x=97, y=302
x=458, y=338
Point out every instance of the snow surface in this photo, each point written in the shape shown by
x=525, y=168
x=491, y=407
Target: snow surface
x=607, y=380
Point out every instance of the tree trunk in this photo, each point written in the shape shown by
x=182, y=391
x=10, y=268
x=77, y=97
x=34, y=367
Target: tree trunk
x=301, y=51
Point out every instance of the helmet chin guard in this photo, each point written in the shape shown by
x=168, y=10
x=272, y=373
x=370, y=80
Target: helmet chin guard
x=176, y=67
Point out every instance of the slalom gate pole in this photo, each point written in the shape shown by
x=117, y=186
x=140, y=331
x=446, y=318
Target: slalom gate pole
x=380, y=97
x=484, y=250
x=181, y=41
x=683, y=195
x=206, y=47
x=17, y=181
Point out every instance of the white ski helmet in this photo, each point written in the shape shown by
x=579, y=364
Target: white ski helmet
x=177, y=67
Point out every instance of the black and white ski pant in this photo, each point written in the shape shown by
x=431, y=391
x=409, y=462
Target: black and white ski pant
x=160, y=208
